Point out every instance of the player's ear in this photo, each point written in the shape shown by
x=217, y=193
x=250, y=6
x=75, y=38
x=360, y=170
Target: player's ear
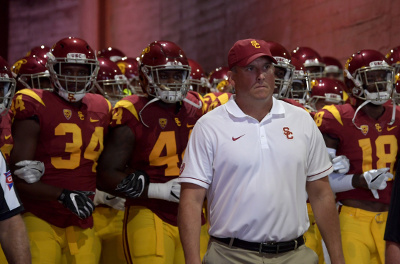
x=230, y=75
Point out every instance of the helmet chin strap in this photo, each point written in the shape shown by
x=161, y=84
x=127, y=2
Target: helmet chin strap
x=140, y=113
x=393, y=112
x=358, y=109
x=198, y=106
x=368, y=101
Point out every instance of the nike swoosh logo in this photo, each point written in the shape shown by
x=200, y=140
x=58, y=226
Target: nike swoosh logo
x=72, y=197
x=93, y=120
x=109, y=198
x=143, y=181
x=376, y=177
x=174, y=195
x=234, y=139
x=40, y=171
x=187, y=125
x=7, y=137
x=390, y=128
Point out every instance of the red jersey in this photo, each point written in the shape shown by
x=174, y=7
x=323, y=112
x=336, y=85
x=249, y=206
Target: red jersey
x=161, y=138
x=70, y=142
x=373, y=146
x=216, y=99
x=6, y=141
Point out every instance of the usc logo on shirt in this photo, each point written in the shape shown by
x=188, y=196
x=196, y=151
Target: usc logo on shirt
x=287, y=133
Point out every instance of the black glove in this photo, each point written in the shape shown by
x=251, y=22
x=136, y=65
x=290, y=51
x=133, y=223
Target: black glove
x=133, y=185
x=78, y=202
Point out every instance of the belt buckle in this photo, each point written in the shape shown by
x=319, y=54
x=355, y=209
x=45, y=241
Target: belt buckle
x=269, y=243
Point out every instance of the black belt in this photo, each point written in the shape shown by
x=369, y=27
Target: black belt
x=266, y=247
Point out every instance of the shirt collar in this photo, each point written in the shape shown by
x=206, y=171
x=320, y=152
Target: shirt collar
x=276, y=110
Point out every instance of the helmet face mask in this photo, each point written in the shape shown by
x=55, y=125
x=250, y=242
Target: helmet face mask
x=130, y=68
x=111, y=82
x=369, y=76
x=73, y=68
x=41, y=81
x=301, y=83
x=201, y=86
x=7, y=87
x=333, y=68
x=315, y=71
x=283, y=79
x=317, y=102
x=164, y=71
x=7, y=90
x=310, y=61
x=284, y=70
x=31, y=72
x=73, y=80
x=36, y=81
x=114, y=89
x=374, y=83
x=169, y=84
x=377, y=84
x=300, y=89
x=334, y=74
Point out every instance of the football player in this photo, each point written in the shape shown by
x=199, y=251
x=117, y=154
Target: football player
x=58, y=137
x=221, y=89
x=7, y=90
x=311, y=60
x=333, y=68
x=198, y=81
x=110, y=81
x=109, y=213
x=393, y=57
x=31, y=72
x=111, y=53
x=367, y=134
x=149, y=135
x=326, y=91
x=284, y=73
x=130, y=68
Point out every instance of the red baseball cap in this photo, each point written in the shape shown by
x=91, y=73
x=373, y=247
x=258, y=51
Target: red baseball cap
x=246, y=50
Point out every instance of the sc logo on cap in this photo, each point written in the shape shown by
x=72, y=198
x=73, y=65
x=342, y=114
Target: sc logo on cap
x=255, y=44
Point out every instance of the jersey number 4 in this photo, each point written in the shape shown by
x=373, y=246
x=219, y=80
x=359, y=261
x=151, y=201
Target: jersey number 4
x=166, y=140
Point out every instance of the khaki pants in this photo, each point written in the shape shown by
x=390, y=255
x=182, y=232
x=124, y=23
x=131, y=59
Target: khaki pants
x=220, y=253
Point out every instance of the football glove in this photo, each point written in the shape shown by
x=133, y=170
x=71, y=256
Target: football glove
x=113, y=201
x=341, y=164
x=376, y=180
x=133, y=185
x=77, y=202
x=170, y=190
x=29, y=170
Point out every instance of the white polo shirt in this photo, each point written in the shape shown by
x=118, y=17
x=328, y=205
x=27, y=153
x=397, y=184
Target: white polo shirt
x=255, y=172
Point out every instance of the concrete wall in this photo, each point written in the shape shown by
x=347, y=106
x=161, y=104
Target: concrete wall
x=206, y=29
